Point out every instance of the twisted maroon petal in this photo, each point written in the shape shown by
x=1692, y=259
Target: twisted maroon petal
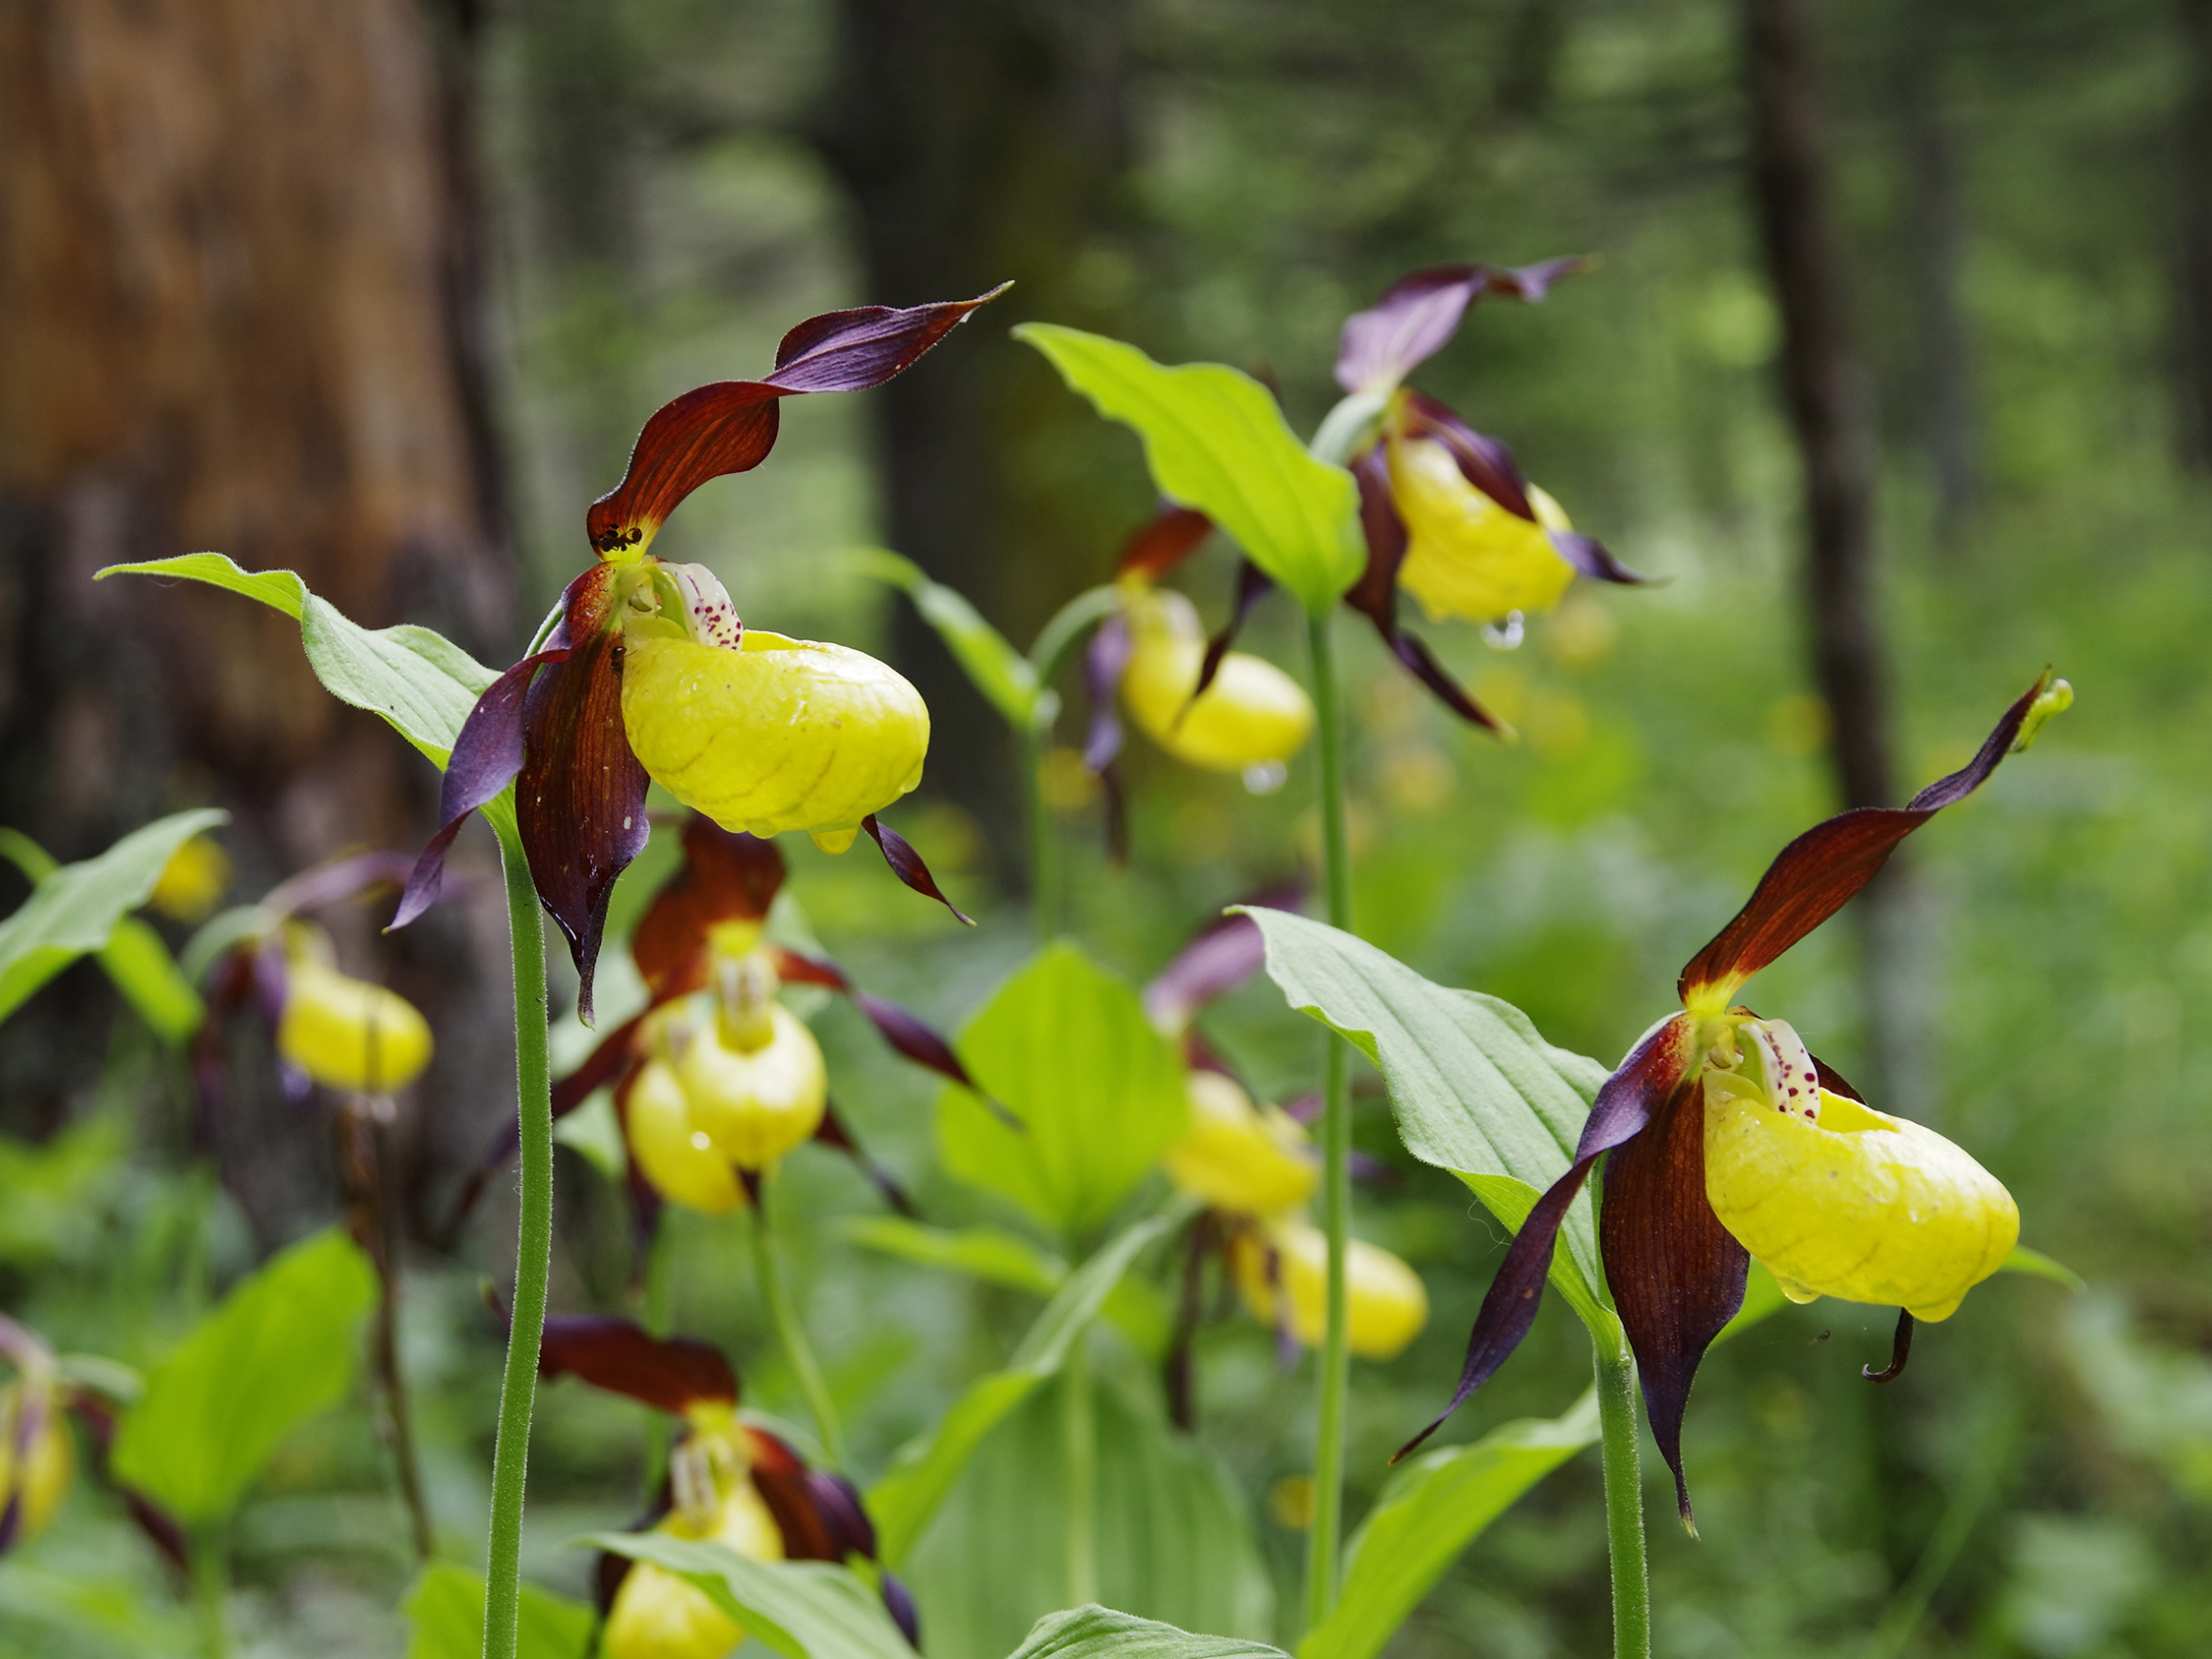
x=1223, y=955
x=1164, y=542
x=731, y=426
x=1653, y=1070
x=1253, y=584
x=667, y=1373
x=1815, y=875
x=1421, y=312
x=905, y=863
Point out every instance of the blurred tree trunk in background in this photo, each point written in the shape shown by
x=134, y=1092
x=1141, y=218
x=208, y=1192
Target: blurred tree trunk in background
x=239, y=273
x=983, y=141
x=1945, y=420
x=2192, y=212
x=1832, y=410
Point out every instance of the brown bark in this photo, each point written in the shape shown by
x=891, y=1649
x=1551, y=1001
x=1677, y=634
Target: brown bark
x=236, y=313
x=981, y=141
x=1830, y=409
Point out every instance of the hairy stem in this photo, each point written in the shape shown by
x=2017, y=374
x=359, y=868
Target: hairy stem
x=1335, y=1154
x=211, y=1589
x=790, y=1332
x=1624, y=1500
x=533, y=1255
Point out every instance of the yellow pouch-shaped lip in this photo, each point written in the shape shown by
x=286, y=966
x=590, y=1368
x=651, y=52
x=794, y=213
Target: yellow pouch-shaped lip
x=658, y=1616
x=1465, y=556
x=51, y=1463
x=678, y=1158
x=1387, y=1303
x=778, y=735
x=1238, y=1156
x=348, y=1033
x=1858, y=1205
x=1252, y=713
x=755, y=1105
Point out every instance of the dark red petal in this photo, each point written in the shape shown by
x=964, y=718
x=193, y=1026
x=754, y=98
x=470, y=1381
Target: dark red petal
x=1653, y=1070
x=838, y=1502
x=1676, y=1273
x=898, y=1602
x=339, y=879
x=832, y=1132
x=908, y=1033
x=1164, y=542
x=1413, y=656
x=905, y=863
x=486, y=756
x=1252, y=586
x=731, y=426
x=726, y=875
x=162, y=1529
x=1816, y=874
x=1178, y=1370
x=580, y=796
x=1900, y=1350
x=1104, y=660
x=1421, y=312
x=780, y=1476
x=667, y=1373
x=1591, y=556
x=1224, y=954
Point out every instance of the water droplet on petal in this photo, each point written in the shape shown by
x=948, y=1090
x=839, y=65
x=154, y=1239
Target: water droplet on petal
x=1265, y=777
x=1505, y=635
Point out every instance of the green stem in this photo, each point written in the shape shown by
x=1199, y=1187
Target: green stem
x=1624, y=1500
x=1335, y=1154
x=1043, y=849
x=792, y=1335
x=659, y=1292
x=1080, y=1443
x=210, y=1590
x=533, y=1254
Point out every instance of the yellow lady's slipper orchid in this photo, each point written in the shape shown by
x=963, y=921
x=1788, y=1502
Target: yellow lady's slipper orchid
x=680, y=1160
x=197, y=875
x=776, y=733
x=1726, y=1140
x=347, y=1034
x=1251, y=714
x=1283, y=1269
x=1465, y=556
x=1240, y=1157
x=43, y=1477
x=658, y=1616
x=754, y=1105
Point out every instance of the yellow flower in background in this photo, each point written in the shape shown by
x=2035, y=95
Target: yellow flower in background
x=1240, y=1157
x=1282, y=1270
x=38, y=1483
x=1252, y=714
x=347, y=1034
x=1465, y=556
x=197, y=876
x=659, y=1615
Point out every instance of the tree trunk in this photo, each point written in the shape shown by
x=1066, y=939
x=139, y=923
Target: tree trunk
x=981, y=141
x=1830, y=409
x=238, y=276
x=2192, y=214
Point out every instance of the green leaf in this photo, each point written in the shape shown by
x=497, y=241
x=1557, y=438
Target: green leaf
x=1099, y=1094
x=74, y=910
x=1000, y=672
x=1429, y=1510
x=139, y=962
x=2039, y=1265
x=1474, y=1088
x=1172, y=1536
x=1099, y=1632
x=446, y=1619
x=1216, y=439
x=280, y=1347
x=54, y=1189
x=803, y=1609
x=924, y=1471
x=420, y=682
x=990, y=1254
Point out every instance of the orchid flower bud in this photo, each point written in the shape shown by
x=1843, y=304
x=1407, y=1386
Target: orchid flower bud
x=754, y=1105
x=1240, y=1157
x=1840, y=1200
x=673, y=1153
x=658, y=1616
x=1465, y=556
x=347, y=1034
x=1387, y=1304
x=1251, y=714
x=38, y=1484
x=197, y=875
x=761, y=732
